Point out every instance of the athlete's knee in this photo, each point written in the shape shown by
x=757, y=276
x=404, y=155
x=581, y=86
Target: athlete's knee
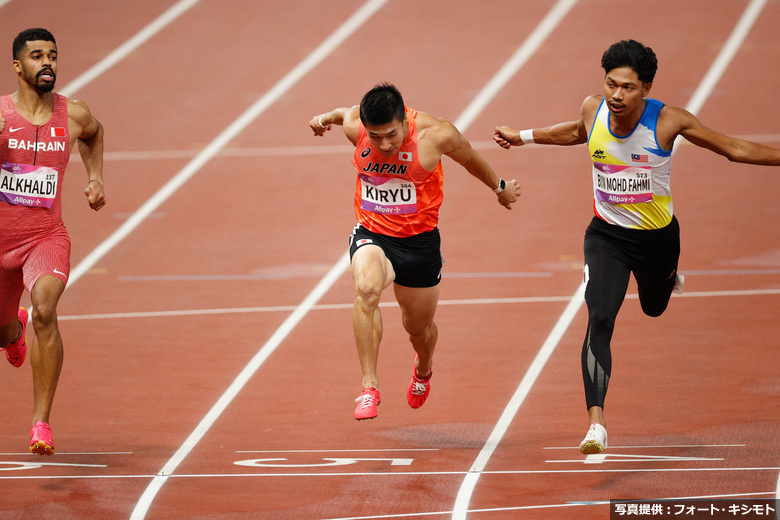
x=654, y=312
x=654, y=308
x=44, y=316
x=367, y=294
x=601, y=323
x=422, y=331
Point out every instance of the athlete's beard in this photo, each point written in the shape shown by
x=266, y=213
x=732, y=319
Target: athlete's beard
x=45, y=87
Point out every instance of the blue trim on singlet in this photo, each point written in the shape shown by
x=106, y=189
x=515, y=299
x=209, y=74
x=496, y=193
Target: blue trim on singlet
x=649, y=119
x=593, y=123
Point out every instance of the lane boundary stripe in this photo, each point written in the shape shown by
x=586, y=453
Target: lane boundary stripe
x=358, y=18
x=322, y=149
x=129, y=46
x=460, y=508
x=384, y=305
x=227, y=135
x=403, y=473
x=463, y=121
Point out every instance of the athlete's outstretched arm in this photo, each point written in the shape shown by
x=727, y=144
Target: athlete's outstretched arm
x=348, y=118
x=454, y=145
x=561, y=134
x=90, y=143
x=736, y=150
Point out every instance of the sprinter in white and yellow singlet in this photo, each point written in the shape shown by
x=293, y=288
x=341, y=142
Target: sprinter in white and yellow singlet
x=634, y=230
x=396, y=241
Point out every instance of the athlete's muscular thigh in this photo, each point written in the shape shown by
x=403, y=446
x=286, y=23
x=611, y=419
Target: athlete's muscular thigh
x=418, y=306
x=371, y=270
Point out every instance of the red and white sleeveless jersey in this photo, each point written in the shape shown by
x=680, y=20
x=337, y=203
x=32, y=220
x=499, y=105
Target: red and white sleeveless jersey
x=33, y=160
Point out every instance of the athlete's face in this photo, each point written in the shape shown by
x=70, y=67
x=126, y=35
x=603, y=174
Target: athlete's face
x=387, y=138
x=624, y=93
x=37, y=65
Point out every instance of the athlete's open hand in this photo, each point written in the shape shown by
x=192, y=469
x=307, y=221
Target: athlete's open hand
x=95, y=195
x=318, y=126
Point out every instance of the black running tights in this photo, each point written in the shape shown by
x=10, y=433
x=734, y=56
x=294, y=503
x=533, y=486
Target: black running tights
x=612, y=253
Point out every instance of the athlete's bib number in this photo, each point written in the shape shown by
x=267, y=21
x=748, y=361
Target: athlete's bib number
x=388, y=195
x=621, y=184
x=27, y=185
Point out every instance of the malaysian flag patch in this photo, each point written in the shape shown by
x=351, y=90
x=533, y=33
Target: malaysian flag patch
x=635, y=157
x=57, y=131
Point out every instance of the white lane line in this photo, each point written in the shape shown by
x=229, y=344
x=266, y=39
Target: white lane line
x=518, y=59
x=612, y=448
x=339, y=268
x=129, y=46
x=85, y=78
x=281, y=333
x=340, y=450
x=232, y=131
x=697, y=101
x=400, y=474
x=65, y=453
x=342, y=306
x=325, y=149
x=285, y=276
x=460, y=509
x=726, y=54
x=99, y=68
x=285, y=84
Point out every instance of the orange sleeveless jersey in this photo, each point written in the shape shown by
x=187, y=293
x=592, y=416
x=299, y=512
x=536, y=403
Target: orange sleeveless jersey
x=396, y=196
x=33, y=167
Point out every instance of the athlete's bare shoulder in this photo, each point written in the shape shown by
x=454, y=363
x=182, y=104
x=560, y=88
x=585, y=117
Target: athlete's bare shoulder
x=591, y=105
x=672, y=121
x=438, y=132
x=80, y=119
x=79, y=111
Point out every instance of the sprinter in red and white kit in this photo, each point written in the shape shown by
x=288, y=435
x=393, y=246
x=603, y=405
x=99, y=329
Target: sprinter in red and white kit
x=38, y=129
x=396, y=241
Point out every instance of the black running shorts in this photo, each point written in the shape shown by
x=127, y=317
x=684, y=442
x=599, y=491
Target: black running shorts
x=416, y=260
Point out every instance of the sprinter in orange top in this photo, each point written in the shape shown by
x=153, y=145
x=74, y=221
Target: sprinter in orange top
x=397, y=197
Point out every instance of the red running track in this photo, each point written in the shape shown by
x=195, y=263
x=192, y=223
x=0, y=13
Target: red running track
x=165, y=319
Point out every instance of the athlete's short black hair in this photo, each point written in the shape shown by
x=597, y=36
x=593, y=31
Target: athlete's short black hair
x=381, y=105
x=30, y=35
x=632, y=54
